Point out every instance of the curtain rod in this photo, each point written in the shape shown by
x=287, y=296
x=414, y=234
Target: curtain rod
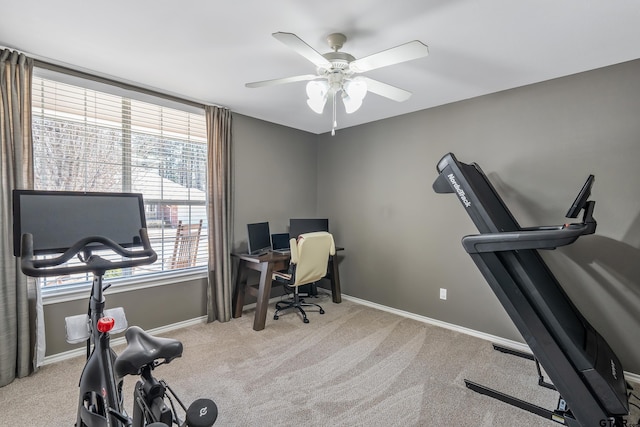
x=82, y=74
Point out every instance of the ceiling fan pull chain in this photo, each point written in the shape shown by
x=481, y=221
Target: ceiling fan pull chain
x=335, y=121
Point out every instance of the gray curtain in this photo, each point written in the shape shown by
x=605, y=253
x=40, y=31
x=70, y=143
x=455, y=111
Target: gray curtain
x=219, y=212
x=19, y=296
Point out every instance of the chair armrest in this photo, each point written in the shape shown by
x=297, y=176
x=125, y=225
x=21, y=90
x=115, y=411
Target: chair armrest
x=293, y=245
x=281, y=277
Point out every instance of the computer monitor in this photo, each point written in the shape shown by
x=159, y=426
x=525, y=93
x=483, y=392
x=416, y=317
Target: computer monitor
x=259, y=237
x=58, y=219
x=280, y=241
x=298, y=226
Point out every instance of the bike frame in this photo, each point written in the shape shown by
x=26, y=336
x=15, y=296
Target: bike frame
x=100, y=402
x=98, y=375
x=149, y=401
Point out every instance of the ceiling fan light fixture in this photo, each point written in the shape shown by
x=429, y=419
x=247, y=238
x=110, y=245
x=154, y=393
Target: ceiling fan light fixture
x=316, y=105
x=353, y=93
x=356, y=88
x=351, y=105
x=317, y=92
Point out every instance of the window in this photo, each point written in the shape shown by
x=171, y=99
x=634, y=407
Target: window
x=110, y=140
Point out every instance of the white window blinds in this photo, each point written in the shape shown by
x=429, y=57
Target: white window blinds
x=90, y=140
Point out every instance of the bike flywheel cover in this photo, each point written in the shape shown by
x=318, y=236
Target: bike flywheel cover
x=202, y=413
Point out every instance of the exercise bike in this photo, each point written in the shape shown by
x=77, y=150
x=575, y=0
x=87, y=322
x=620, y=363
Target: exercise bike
x=101, y=397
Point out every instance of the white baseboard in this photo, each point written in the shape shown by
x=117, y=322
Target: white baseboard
x=632, y=377
x=482, y=335
x=629, y=376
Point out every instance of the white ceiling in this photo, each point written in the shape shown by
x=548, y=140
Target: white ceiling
x=206, y=50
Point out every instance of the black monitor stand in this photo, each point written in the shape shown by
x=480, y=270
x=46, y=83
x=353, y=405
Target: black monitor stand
x=581, y=365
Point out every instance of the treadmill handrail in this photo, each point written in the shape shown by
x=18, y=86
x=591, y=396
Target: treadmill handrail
x=545, y=237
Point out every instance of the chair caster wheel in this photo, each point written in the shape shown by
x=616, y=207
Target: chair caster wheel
x=306, y=320
x=321, y=311
x=276, y=317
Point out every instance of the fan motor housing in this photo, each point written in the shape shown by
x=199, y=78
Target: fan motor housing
x=339, y=60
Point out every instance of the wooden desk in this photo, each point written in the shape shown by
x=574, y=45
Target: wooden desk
x=266, y=265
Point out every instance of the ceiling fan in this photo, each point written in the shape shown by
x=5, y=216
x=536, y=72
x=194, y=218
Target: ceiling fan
x=337, y=73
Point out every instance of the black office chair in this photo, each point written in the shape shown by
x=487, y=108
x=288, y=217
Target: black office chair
x=309, y=258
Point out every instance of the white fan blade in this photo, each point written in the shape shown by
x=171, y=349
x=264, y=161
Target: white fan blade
x=299, y=46
x=284, y=80
x=395, y=55
x=386, y=90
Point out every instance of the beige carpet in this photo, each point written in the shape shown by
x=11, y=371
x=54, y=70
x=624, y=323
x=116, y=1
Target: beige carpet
x=353, y=366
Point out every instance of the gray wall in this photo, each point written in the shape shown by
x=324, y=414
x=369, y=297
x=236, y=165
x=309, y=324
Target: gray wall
x=275, y=179
x=275, y=175
x=537, y=144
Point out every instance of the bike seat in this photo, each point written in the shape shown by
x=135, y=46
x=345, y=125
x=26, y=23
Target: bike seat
x=143, y=349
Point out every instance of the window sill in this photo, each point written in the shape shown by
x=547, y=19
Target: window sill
x=82, y=291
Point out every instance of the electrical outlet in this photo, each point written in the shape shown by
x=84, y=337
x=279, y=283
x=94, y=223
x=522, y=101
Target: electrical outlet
x=443, y=293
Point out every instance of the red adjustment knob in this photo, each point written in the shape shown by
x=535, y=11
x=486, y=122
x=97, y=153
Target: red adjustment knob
x=105, y=324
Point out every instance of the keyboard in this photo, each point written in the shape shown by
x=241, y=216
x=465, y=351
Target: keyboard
x=281, y=251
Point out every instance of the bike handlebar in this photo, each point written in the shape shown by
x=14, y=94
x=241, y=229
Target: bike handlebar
x=93, y=264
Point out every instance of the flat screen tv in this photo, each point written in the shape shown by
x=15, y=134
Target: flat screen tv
x=259, y=237
x=298, y=226
x=58, y=219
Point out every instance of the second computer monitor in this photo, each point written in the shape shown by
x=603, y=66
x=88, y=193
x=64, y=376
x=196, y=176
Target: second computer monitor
x=280, y=241
x=298, y=226
x=259, y=237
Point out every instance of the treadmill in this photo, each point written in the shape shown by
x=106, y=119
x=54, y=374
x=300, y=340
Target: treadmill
x=581, y=365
